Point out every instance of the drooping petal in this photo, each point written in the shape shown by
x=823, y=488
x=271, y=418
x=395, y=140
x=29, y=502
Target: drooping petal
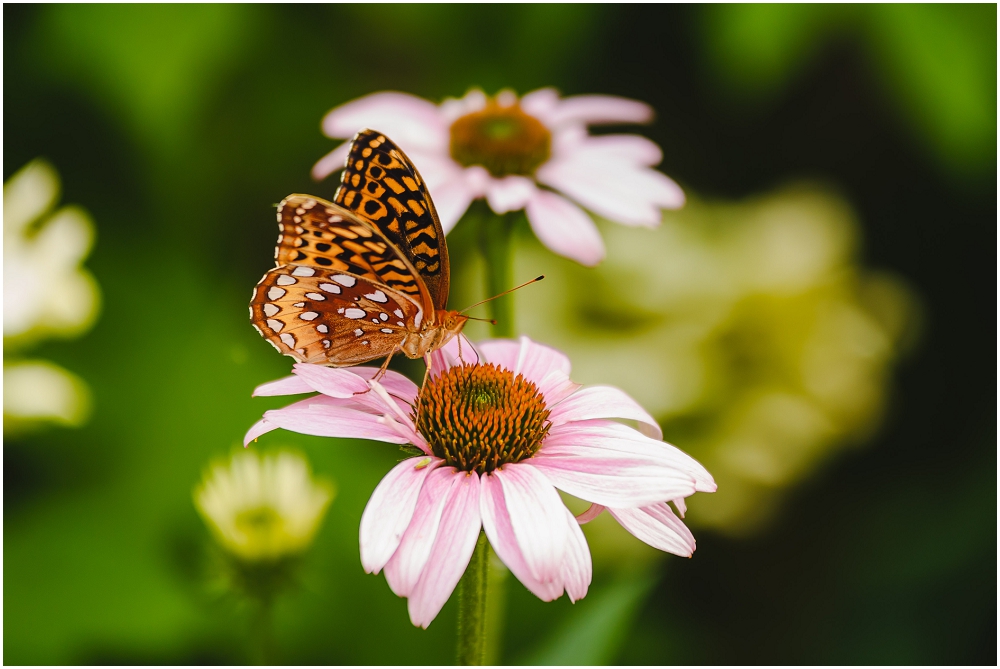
x=524, y=356
x=323, y=416
x=578, y=569
x=260, y=427
x=657, y=526
x=412, y=122
x=593, y=512
x=603, y=402
x=510, y=193
x=496, y=523
x=615, y=190
x=565, y=228
x=453, y=547
x=289, y=385
x=331, y=162
x=537, y=519
x=407, y=564
x=390, y=509
x=596, y=109
x=681, y=506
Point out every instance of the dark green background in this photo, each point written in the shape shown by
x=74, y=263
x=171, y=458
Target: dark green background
x=177, y=127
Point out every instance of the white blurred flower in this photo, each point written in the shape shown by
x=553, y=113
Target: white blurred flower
x=45, y=289
x=749, y=329
x=263, y=508
x=46, y=293
x=532, y=153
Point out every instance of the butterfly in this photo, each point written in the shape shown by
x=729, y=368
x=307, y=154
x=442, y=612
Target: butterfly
x=364, y=276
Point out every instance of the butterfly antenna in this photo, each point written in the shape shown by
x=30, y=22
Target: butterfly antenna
x=491, y=321
x=511, y=290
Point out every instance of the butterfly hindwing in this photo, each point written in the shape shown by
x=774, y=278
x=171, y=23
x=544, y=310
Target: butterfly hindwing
x=327, y=316
x=381, y=185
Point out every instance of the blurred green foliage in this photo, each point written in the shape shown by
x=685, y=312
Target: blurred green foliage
x=936, y=62
x=177, y=127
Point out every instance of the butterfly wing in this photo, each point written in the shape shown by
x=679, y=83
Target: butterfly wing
x=321, y=234
x=381, y=185
x=332, y=317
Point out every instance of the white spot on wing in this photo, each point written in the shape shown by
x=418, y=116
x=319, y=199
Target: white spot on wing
x=355, y=313
x=285, y=280
x=288, y=339
x=358, y=332
x=303, y=271
x=326, y=343
x=330, y=288
x=384, y=317
x=271, y=309
x=377, y=296
x=309, y=316
x=420, y=317
x=399, y=313
x=275, y=325
x=275, y=293
x=316, y=296
x=322, y=328
x=386, y=330
x=345, y=280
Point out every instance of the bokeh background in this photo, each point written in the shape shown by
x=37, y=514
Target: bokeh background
x=817, y=325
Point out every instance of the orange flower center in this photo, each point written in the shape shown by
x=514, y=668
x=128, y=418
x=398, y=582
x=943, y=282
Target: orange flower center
x=481, y=417
x=504, y=140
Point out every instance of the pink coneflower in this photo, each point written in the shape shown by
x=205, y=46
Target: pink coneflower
x=498, y=438
x=525, y=153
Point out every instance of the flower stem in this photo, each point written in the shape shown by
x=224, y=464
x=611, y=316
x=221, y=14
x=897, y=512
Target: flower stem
x=472, y=606
x=496, y=242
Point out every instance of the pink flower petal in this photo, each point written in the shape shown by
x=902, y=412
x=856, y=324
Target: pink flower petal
x=390, y=509
x=657, y=526
x=555, y=387
x=577, y=566
x=613, y=465
x=603, y=402
x=624, y=194
x=541, y=103
x=332, y=381
x=510, y=193
x=681, y=506
x=453, y=197
x=629, y=150
x=412, y=122
x=289, y=385
x=407, y=564
x=564, y=228
x=257, y=429
x=496, y=523
x=524, y=356
x=453, y=108
x=595, y=109
x=537, y=519
x=331, y=162
x=593, y=512
x=453, y=547
x=608, y=438
x=458, y=351
x=327, y=417
x=394, y=382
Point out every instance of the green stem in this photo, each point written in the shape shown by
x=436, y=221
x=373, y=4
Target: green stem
x=496, y=241
x=262, y=632
x=472, y=606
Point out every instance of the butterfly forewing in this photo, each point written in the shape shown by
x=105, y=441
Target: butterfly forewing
x=318, y=233
x=327, y=316
x=381, y=185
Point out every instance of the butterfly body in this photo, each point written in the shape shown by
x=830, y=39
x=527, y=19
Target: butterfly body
x=364, y=277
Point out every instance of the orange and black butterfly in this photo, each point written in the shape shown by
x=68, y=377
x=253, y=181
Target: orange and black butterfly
x=364, y=276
